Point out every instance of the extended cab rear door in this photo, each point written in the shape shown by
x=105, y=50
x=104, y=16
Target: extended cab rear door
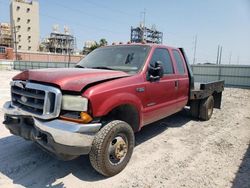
x=182, y=79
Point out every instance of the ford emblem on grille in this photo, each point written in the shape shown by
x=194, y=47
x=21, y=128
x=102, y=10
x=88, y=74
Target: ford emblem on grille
x=24, y=99
x=20, y=84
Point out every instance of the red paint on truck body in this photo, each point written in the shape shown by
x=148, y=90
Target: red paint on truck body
x=69, y=79
x=158, y=100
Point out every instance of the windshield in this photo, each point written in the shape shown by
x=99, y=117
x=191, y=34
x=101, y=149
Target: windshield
x=124, y=58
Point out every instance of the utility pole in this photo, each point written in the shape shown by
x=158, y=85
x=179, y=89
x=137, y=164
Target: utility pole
x=69, y=50
x=230, y=56
x=144, y=22
x=218, y=54
x=15, y=42
x=195, y=45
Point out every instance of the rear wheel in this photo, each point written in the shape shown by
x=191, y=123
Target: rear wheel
x=206, y=108
x=112, y=148
x=194, y=108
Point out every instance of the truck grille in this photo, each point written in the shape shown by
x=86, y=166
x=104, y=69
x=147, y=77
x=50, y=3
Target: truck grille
x=36, y=99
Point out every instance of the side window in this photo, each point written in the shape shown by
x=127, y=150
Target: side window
x=161, y=54
x=179, y=62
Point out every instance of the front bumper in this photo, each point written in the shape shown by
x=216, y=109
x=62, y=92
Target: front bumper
x=62, y=138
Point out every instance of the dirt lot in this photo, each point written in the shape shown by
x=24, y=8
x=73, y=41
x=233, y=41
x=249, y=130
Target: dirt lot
x=175, y=152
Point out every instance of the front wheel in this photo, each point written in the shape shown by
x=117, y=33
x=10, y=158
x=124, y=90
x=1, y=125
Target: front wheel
x=112, y=148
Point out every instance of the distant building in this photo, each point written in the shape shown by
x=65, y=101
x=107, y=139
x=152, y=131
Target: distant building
x=5, y=35
x=58, y=42
x=144, y=34
x=24, y=16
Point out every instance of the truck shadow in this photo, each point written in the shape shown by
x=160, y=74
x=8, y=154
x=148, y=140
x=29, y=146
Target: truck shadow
x=242, y=177
x=27, y=165
x=156, y=128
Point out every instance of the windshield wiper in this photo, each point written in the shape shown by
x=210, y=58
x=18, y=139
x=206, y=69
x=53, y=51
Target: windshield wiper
x=101, y=67
x=79, y=66
x=129, y=58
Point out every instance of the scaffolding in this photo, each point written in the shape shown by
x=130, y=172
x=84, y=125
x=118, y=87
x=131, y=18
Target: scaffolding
x=5, y=35
x=60, y=43
x=144, y=34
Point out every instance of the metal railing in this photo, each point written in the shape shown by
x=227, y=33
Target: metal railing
x=24, y=65
x=234, y=75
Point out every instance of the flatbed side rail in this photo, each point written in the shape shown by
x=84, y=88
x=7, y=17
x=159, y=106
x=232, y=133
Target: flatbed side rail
x=217, y=85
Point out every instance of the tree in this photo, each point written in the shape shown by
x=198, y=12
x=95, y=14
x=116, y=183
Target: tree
x=102, y=42
x=93, y=47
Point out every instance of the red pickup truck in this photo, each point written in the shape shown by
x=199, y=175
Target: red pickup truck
x=96, y=107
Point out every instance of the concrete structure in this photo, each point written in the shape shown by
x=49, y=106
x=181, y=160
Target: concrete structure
x=5, y=35
x=59, y=42
x=48, y=57
x=24, y=18
x=8, y=54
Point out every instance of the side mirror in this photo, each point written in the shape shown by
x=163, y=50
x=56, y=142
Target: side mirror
x=155, y=72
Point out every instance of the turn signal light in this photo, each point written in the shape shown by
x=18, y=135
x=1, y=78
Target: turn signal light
x=84, y=118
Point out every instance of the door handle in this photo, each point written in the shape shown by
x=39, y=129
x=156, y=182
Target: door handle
x=176, y=83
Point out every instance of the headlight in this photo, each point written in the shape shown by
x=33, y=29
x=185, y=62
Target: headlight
x=74, y=103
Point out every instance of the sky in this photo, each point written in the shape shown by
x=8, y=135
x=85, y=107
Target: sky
x=214, y=22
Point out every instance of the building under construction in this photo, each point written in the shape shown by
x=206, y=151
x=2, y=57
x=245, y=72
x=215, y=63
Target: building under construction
x=60, y=43
x=5, y=35
x=142, y=33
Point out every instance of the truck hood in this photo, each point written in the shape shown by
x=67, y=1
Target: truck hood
x=70, y=79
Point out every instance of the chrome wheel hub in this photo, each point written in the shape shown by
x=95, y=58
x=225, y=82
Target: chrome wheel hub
x=118, y=149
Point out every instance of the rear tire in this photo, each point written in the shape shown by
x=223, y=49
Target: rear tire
x=112, y=148
x=194, y=108
x=206, y=108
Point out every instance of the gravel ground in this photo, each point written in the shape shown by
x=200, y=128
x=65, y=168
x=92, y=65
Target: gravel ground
x=174, y=152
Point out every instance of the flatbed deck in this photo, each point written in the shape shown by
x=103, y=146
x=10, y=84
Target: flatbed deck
x=203, y=90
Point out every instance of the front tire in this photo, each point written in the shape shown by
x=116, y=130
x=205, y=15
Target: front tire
x=112, y=148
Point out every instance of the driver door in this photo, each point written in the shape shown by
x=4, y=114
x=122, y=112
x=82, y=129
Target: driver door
x=161, y=94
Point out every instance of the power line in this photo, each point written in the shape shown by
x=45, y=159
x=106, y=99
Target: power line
x=77, y=24
x=87, y=14
x=106, y=7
